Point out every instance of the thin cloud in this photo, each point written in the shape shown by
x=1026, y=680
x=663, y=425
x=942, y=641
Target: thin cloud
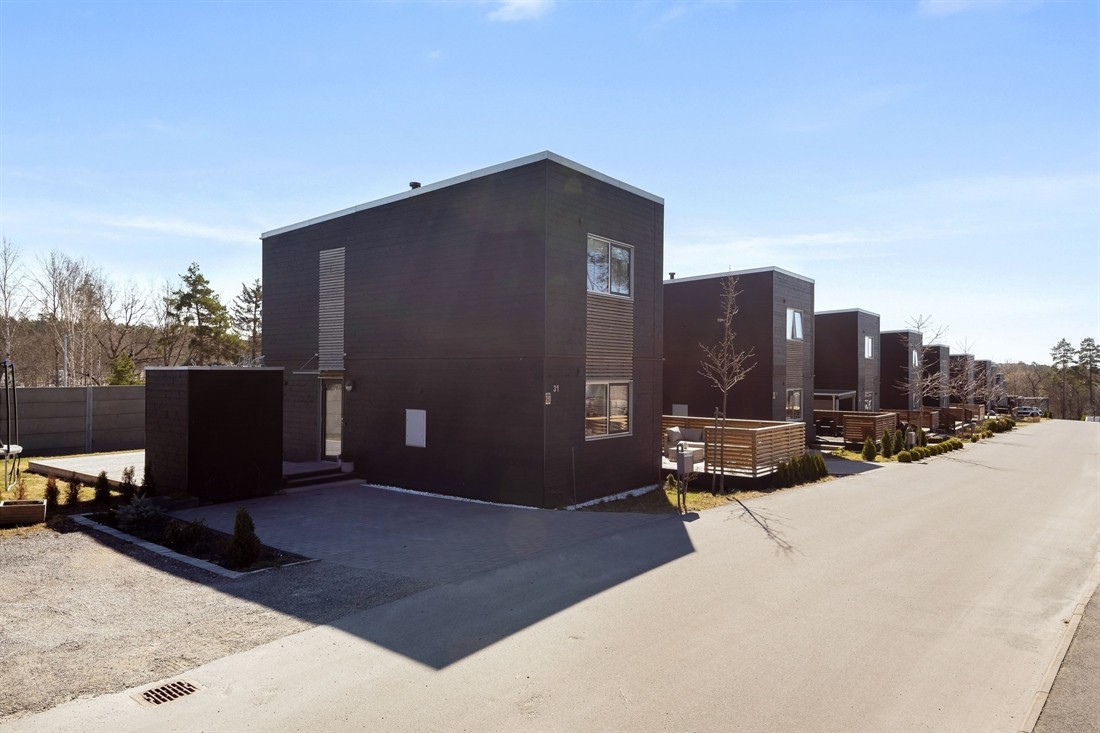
x=188, y=229
x=941, y=8
x=844, y=244
x=512, y=11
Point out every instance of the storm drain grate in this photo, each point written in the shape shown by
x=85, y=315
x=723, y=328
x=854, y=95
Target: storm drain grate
x=166, y=693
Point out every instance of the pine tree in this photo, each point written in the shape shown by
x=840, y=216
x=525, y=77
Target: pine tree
x=887, y=443
x=246, y=317
x=198, y=309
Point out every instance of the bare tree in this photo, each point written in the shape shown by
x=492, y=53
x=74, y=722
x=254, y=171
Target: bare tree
x=65, y=293
x=13, y=296
x=724, y=365
x=922, y=381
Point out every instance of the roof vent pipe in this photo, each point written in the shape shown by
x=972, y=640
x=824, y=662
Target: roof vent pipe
x=672, y=276
x=414, y=184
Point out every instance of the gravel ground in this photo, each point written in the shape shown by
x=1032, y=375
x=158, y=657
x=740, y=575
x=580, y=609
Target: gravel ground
x=82, y=614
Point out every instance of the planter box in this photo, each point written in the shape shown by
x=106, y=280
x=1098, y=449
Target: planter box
x=23, y=511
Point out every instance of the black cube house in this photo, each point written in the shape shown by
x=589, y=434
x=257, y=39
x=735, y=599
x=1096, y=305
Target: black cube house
x=214, y=432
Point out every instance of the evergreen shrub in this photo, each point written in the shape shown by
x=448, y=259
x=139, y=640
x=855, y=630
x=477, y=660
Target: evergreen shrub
x=245, y=548
x=869, y=450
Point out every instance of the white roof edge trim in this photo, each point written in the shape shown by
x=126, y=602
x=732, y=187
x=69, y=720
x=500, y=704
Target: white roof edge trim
x=847, y=310
x=735, y=273
x=480, y=173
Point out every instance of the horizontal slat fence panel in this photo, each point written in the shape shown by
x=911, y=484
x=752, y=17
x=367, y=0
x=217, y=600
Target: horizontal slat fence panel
x=751, y=448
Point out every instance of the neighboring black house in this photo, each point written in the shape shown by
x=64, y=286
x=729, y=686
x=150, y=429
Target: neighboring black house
x=495, y=336
x=937, y=361
x=846, y=360
x=775, y=320
x=900, y=370
x=962, y=379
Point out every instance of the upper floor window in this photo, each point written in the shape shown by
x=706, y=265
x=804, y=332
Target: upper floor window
x=868, y=348
x=794, y=324
x=609, y=267
x=916, y=358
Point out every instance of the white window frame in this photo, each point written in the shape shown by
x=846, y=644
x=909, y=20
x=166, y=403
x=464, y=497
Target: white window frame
x=611, y=245
x=794, y=323
x=608, y=383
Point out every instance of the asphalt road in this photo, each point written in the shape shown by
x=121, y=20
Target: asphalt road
x=915, y=597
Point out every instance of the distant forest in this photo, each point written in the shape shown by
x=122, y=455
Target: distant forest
x=62, y=322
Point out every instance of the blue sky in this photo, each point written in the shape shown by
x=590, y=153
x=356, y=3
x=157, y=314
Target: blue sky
x=912, y=158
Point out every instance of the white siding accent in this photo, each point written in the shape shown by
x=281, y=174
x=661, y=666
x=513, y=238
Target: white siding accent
x=330, y=330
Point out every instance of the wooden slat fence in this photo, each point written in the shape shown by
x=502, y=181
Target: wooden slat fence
x=931, y=418
x=858, y=426
x=752, y=448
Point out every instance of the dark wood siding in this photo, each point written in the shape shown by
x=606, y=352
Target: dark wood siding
x=897, y=370
x=470, y=302
x=692, y=308
x=839, y=359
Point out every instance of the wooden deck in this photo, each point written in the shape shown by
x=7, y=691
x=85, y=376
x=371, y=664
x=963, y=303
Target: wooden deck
x=855, y=427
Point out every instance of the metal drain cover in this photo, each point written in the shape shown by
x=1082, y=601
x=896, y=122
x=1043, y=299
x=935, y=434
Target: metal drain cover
x=166, y=693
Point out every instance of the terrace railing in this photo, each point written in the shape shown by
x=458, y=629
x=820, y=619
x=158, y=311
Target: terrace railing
x=751, y=448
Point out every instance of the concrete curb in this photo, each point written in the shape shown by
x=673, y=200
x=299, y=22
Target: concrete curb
x=1040, y=699
x=161, y=550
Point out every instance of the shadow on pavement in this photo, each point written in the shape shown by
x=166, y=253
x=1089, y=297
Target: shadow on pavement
x=465, y=575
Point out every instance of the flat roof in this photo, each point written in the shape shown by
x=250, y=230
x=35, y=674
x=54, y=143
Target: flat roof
x=480, y=173
x=735, y=273
x=847, y=310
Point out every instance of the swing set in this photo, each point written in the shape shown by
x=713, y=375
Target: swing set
x=10, y=446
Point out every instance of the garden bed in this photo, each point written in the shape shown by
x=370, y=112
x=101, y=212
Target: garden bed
x=195, y=539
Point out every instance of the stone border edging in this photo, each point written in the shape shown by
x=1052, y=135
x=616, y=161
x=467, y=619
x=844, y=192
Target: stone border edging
x=83, y=521
x=1040, y=699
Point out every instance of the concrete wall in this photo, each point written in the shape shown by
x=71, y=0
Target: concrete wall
x=60, y=420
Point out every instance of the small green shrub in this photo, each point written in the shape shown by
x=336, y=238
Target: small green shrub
x=136, y=514
x=72, y=496
x=987, y=433
x=21, y=489
x=905, y=457
x=102, y=489
x=183, y=536
x=887, y=443
x=974, y=438
x=822, y=468
x=899, y=440
x=127, y=487
x=52, y=492
x=245, y=548
x=869, y=450
x=922, y=437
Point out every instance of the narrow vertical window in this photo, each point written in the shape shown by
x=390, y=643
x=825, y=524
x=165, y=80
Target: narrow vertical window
x=619, y=414
x=868, y=348
x=794, y=324
x=595, y=410
x=794, y=404
x=620, y=270
x=598, y=266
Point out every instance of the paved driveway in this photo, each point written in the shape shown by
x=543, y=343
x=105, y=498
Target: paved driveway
x=924, y=597
x=422, y=537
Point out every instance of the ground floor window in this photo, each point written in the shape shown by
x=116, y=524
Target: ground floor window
x=606, y=409
x=794, y=404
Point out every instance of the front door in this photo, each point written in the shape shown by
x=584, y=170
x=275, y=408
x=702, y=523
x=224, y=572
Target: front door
x=332, y=418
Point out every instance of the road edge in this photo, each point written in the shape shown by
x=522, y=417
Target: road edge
x=1040, y=699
